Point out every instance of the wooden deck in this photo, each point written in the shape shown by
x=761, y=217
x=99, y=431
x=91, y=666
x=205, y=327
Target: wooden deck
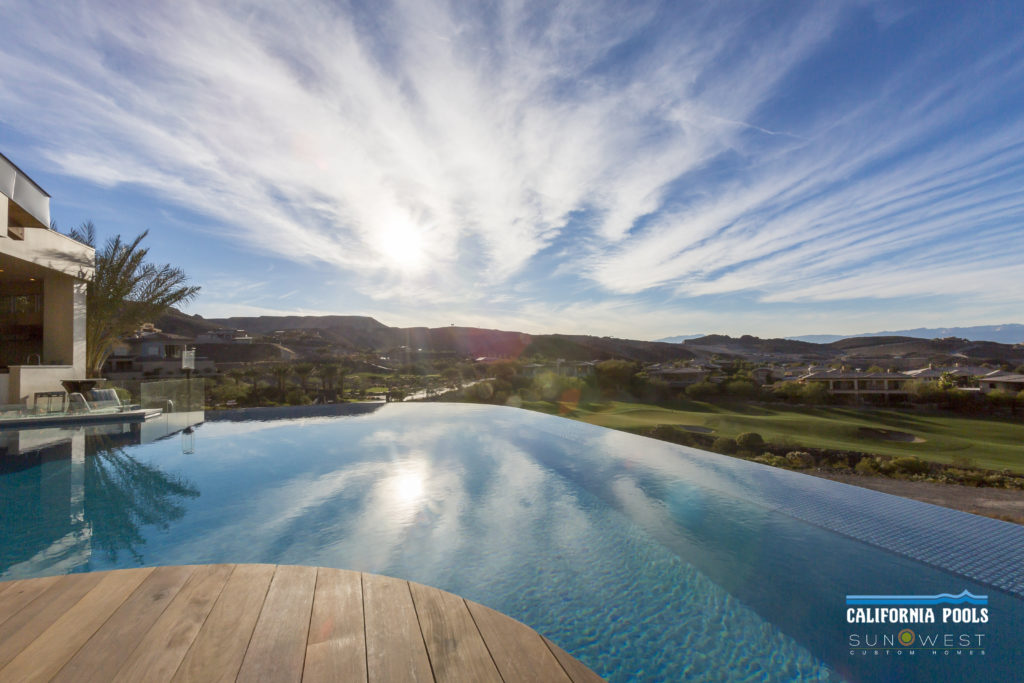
x=258, y=622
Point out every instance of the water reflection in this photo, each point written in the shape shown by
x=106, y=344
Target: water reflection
x=123, y=494
x=66, y=493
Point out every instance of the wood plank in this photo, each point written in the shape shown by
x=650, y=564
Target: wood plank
x=45, y=656
x=278, y=646
x=108, y=649
x=517, y=649
x=160, y=651
x=21, y=593
x=577, y=671
x=218, y=650
x=394, y=645
x=22, y=628
x=336, y=648
x=457, y=651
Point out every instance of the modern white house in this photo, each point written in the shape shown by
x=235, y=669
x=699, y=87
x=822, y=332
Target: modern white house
x=43, y=277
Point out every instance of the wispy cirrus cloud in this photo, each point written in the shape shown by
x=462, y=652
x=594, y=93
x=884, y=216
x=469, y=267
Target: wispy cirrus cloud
x=455, y=154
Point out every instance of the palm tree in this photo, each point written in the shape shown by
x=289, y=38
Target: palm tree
x=328, y=372
x=253, y=374
x=281, y=371
x=303, y=370
x=125, y=292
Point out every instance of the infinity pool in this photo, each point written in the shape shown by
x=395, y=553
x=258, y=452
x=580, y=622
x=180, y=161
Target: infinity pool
x=646, y=560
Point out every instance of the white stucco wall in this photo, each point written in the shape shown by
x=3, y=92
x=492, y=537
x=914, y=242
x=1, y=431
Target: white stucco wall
x=51, y=250
x=26, y=380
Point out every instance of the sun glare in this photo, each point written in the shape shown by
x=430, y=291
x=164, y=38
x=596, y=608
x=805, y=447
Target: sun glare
x=407, y=487
x=401, y=243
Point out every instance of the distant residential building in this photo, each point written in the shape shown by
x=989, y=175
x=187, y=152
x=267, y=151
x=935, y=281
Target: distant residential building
x=1008, y=382
x=151, y=355
x=859, y=385
x=962, y=374
x=579, y=369
x=224, y=336
x=678, y=377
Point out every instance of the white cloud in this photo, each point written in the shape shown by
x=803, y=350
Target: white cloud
x=434, y=150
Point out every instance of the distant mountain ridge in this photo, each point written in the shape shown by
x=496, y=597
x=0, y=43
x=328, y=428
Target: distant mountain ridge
x=348, y=333
x=679, y=338
x=1012, y=333
x=363, y=333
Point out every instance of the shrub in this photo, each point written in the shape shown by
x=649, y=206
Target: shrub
x=788, y=391
x=296, y=397
x=910, y=465
x=800, y=460
x=815, y=393
x=749, y=441
x=839, y=462
x=741, y=389
x=724, y=444
x=702, y=391
x=963, y=461
x=867, y=466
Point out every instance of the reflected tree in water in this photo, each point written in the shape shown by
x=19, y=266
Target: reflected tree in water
x=122, y=495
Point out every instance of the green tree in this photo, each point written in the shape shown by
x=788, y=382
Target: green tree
x=741, y=389
x=281, y=373
x=452, y=377
x=615, y=375
x=303, y=371
x=702, y=391
x=328, y=372
x=814, y=393
x=125, y=292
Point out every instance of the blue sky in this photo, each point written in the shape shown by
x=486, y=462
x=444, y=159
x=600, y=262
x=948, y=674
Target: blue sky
x=628, y=169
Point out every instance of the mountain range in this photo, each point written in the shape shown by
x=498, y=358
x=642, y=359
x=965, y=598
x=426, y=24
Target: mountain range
x=1004, y=334
x=311, y=336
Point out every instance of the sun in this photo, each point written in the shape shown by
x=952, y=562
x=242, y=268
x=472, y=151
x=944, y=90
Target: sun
x=400, y=242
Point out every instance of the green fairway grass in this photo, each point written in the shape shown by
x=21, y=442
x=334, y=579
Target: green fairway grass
x=988, y=443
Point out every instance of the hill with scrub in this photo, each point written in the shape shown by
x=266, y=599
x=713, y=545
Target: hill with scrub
x=351, y=333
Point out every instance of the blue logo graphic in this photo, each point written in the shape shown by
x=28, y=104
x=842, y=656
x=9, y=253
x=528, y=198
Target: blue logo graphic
x=918, y=600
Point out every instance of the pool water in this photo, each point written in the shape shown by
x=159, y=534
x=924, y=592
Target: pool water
x=646, y=560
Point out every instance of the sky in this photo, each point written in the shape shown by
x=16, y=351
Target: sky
x=632, y=169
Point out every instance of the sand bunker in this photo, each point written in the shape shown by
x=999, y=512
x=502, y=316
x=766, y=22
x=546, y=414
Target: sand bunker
x=887, y=435
x=694, y=428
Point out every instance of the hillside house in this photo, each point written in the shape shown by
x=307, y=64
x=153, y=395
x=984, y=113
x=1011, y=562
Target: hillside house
x=858, y=385
x=223, y=336
x=1008, y=382
x=152, y=355
x=43, y=278
x=580, y=369
x=676, y=377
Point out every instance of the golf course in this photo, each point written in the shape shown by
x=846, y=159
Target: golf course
x=984, y=442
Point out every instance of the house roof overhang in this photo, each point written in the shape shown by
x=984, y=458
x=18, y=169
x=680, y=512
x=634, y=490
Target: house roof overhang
x=29, y=204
